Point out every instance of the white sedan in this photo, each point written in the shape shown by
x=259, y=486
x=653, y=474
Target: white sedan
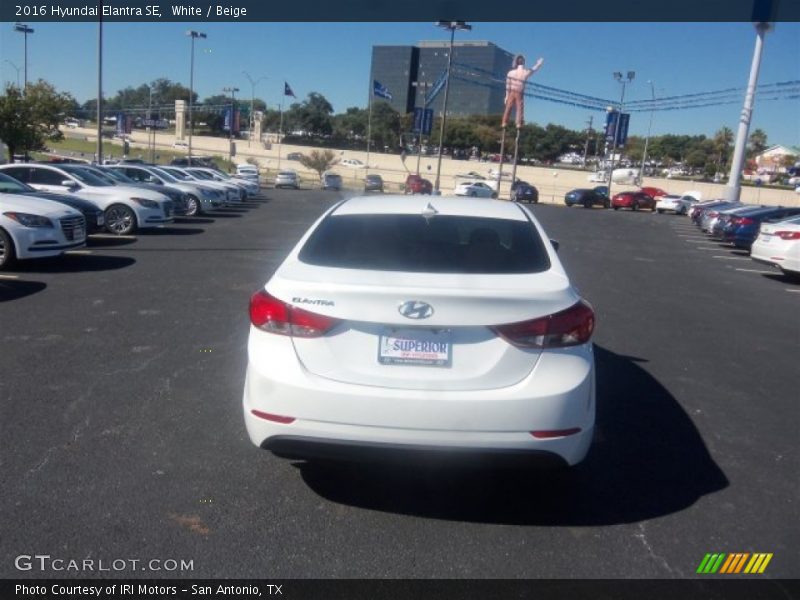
x=680, y=205
x=406, y=326
x=475, y=189
x=778, y=244
x=34, y=227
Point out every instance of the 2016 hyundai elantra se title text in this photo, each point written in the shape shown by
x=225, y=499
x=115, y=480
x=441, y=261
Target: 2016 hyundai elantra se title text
x=402, y=325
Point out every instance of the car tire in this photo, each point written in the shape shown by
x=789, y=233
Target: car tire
x=587, y=204
x=120, y=219
x=473, y=195
x=660, y=211
x=616, y=208
x=606, y=204
x=193, y=207
x=7, y=252
x=635, y=206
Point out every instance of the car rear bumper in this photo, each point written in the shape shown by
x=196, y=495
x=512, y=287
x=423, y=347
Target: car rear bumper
x=326, y=415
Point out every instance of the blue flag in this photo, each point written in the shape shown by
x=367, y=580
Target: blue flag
x=380, y=90
x=287, y=91
x=438, y=86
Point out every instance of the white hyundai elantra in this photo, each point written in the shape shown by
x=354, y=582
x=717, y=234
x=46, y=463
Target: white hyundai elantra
x=398, y=325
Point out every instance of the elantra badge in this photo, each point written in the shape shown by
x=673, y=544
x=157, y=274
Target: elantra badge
x=414, y=309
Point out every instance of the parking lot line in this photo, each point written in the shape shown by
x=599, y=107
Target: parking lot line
x=707, y=248
x=112, y=236
x=758, y=271
x=732, y=257
x=9, y=276
x=793, y=291
x=79, y=252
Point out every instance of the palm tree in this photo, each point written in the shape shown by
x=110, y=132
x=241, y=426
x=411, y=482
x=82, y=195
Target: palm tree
x=757, y=143
x=723, y=139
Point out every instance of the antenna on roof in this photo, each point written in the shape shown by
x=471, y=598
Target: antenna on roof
x=429, y=212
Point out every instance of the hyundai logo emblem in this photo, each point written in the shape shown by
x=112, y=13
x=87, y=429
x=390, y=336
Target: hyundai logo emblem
x=414, y=309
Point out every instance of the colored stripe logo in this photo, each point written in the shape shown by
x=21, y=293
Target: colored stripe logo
x=734, y=563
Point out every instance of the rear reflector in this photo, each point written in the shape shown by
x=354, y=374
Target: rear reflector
x=275, y=316
x=554, y=433
x=570, y=327
x=788, y=235
x=274, y=418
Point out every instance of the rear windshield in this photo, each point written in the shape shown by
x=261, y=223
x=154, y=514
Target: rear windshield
x=443, y=244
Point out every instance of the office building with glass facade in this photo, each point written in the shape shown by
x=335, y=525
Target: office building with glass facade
x=477, y=79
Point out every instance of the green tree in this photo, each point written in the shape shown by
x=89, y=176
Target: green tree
x=26, y=122
x=319, y=160
x=756, y=143
x=723, y=139
x=313, y=115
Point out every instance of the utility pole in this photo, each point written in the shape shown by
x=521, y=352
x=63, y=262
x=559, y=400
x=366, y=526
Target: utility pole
x=194, y=35
x=253, y=83
x=100, y=86
x=233, y=91
x=734, y=188
x=424, y=86
x=588, y=136
x=623, y=81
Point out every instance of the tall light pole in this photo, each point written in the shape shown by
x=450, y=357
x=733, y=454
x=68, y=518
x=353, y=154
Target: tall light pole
x=623, y=80
x=253, y=84
x=649, y=127
x=100, y=86
x=452, y=26
x=424, y=86
x=734, y=187
x=194, y=35
x=24, y=30
x=15, y=68
x=233, y=91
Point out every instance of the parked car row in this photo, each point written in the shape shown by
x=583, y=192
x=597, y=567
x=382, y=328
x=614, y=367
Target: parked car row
x=48, y=208
x=736, y=223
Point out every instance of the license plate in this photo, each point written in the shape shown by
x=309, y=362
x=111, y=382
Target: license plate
x=422, y=347
x=78, y=233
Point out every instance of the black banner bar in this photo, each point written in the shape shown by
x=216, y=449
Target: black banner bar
x=403, y=11
x=706, y=588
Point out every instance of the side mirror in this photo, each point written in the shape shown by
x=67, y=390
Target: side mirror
x=69, y=184
x=555, y=244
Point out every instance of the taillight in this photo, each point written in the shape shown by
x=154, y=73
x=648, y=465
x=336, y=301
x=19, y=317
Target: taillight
x=744, y=221
x=570, y=327
x=788, y=235
x=272, y=315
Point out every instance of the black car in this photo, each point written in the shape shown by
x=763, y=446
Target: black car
x=373, y=183
x=94, y=216
x=588, y=198
x=522, y=191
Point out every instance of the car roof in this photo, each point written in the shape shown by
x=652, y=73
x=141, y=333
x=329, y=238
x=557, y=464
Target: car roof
x=444, y=205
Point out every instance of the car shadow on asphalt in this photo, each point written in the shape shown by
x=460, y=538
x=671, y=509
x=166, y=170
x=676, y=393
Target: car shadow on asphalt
x=109, y=242
x=787, y=278
x=647, y=460
x=157, y=231
x=192, y=220
x=218, y=214
x=75, y=263
x=15, y=289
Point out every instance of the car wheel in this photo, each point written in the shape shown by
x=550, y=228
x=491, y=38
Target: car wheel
x=587, y=204
x=120, y=219
x=660, y=211
x=7, y=253
x=616, y=208
x=473, y=195
x=635, y=206
x=192, y=206
x=606, y=204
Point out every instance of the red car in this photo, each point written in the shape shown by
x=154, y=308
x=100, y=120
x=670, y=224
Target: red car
x=633, y=200
x=417, y=185
x=653, y=192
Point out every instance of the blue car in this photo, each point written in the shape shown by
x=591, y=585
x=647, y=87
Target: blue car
x=588, y=197
x=742, y=230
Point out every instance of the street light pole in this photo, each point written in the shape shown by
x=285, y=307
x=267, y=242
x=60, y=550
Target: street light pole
x=649, y=127
x=233, y=91
x=24, y=30
x=253, y=84
x=100, y=87
x=623, y=81
x=451, y=26
x=734, y=188
x=424, y=85
x=194, y=35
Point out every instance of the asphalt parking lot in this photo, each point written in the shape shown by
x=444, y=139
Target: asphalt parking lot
x=122, y=436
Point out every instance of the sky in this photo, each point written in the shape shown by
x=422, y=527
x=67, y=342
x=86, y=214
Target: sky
x=334, y=59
